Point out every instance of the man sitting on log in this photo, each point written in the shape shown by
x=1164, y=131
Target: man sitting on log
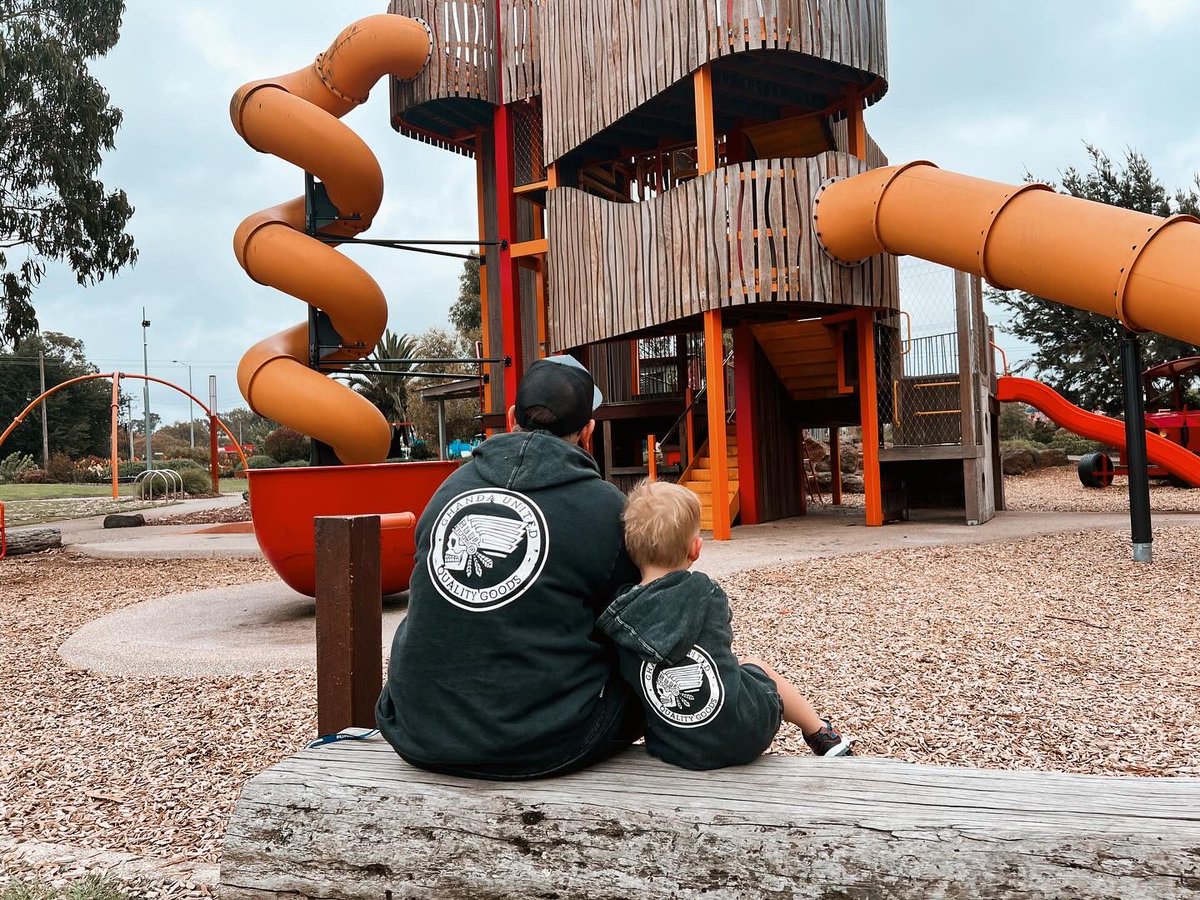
x=498, y=670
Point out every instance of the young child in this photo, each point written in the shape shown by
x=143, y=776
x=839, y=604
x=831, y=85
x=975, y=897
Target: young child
x=704, y=709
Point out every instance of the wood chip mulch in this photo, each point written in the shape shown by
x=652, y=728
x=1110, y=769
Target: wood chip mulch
x=1055, y=653
x=1058, y=488
x=1051, y=653
x=219, y=516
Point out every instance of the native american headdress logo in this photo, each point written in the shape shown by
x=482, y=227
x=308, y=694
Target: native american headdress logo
x=688, y=694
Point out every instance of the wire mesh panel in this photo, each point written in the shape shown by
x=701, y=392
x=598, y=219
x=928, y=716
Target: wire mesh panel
x=528, y=167
x=920, y=387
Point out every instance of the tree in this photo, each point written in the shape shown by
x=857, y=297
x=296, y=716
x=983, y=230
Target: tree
x=247, y=426
x=461, y=421
x=1078, y=353
x=79, y=417
x=56, y=122
x=466, y=313
x=389, y=393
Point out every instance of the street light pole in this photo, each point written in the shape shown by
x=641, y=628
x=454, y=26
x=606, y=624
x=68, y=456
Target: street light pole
x=191, y=405
x=146, y=390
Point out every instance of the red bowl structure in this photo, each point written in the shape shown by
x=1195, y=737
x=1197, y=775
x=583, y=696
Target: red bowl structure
x=284, y=502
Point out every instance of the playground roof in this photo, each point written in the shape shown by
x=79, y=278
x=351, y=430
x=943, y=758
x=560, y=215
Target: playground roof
x=1175, y=368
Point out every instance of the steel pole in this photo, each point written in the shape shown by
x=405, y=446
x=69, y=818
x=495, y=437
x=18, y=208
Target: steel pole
x=45, y=426
x=213, y=466
x=146, y=390
x=1135, y=449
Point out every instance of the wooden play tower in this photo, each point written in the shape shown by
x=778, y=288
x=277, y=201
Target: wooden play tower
x=652, y=169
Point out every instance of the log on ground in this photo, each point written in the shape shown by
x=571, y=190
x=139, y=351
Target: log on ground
x=32, y=540
x=352, y=820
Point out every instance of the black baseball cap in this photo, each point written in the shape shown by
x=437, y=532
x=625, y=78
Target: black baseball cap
x=557, y=394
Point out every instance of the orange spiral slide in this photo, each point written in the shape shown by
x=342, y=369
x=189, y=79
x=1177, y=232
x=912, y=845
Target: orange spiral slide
x=295, y=117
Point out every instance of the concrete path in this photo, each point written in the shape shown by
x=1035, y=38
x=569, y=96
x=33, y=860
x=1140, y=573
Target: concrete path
x=266, y=626
x=223, y=631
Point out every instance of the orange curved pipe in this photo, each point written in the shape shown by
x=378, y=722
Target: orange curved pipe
x=116, y=378
x=295, y=117
x=1175, y=459
x=1116, y=262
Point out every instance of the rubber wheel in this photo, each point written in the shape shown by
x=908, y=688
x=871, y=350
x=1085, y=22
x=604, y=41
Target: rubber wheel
x=1095, y=470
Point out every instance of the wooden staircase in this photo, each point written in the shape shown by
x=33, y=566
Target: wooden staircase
x=805, y=357
x=698, y=479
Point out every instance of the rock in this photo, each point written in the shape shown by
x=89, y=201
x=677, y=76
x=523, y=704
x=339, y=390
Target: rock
x=816, y=450
x=851, y=459
x=1018, y=462
x=822, y=466
x=852, y=484
x=1052, y=457
x=124, y=520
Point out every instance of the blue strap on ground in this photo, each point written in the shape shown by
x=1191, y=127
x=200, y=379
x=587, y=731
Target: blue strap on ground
x=341, y=736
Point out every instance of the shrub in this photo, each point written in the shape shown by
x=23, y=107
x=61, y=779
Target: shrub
x=286, y=444
x=294, y=464
x=194, y=454
x=60, y=469
x=1021, y=444
x=196, y=481
x=1015, y=423
x=33, y=476
x=422, y=451
x=180, y=464
x=13, y=465
x=1073, y=443
x=258, y=461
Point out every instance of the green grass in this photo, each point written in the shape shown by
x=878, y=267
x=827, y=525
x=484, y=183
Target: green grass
x=89, y=888
x=11, y=492
x=60, y=491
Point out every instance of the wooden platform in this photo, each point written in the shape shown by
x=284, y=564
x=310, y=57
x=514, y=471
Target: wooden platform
x=352, y=820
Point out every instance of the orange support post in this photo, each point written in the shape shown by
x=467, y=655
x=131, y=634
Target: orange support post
x=857, y=126
x=868, y=405
x=745, y=373
x=652, y=457
x=718, y=451
x=706, y=137
x=116, y=440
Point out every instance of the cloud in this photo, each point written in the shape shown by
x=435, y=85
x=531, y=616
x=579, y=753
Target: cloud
x=1161, y=13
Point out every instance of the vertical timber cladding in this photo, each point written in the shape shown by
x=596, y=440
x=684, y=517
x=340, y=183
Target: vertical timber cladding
x=776, y=450
x=463, y=58
x=742, y=234
x=600, y=61
x=520, y=51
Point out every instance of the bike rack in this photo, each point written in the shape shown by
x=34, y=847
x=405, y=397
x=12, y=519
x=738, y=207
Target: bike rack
x=171, y=481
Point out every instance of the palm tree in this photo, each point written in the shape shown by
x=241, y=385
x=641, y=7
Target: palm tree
x=388, y=392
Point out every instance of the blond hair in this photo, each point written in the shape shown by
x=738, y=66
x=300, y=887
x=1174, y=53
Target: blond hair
x=661, y=520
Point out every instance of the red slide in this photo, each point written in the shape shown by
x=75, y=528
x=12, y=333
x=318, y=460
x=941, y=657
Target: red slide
x=1176, y=460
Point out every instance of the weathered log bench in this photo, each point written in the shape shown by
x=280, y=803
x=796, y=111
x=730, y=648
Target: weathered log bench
x=350, y=819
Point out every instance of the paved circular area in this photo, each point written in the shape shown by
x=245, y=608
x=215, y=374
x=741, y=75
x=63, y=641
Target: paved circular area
x=239, y=630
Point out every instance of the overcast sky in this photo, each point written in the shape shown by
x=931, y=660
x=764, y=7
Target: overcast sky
x=993, y=89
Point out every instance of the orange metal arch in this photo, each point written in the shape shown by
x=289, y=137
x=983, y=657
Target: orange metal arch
x=116, y=379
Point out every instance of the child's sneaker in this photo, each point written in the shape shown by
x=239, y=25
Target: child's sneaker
x=827, y=742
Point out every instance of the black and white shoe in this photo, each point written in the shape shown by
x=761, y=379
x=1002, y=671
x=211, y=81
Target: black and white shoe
x=827, y=742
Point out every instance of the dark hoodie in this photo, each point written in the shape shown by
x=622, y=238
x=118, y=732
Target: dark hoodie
x=703, y=710
x=498, y=666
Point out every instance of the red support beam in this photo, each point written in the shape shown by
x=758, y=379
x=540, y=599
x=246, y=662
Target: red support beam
x=745, y=374
x=510, y=282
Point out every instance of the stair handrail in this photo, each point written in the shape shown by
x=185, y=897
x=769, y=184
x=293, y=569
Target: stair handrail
x=695, y=399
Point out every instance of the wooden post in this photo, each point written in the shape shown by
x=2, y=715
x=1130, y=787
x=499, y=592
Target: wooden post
x=745, y=375
x=868, y=405
x=835, y=464
x=651, y=458
x=690, y=423
x=349, y=622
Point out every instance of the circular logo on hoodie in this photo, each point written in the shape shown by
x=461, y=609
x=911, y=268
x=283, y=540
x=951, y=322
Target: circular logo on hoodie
x=687, y=694
x=488, y=547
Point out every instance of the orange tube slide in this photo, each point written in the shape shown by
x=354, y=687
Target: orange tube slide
x=1128, y=265
x=1175, y=459
x=295, y=117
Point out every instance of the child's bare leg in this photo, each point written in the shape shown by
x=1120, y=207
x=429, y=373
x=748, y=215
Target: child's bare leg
x=796, y=708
